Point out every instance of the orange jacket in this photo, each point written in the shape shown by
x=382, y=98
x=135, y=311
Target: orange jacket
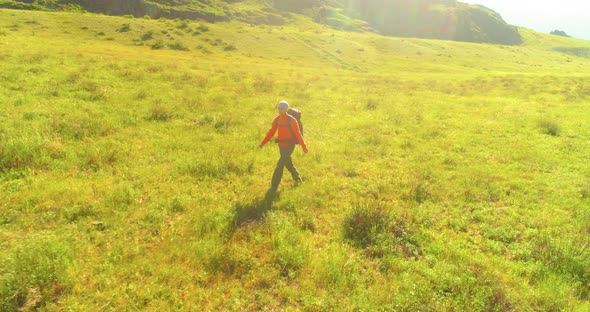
x=286, y=137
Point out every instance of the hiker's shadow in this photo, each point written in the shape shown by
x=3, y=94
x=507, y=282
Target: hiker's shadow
x=253, y=212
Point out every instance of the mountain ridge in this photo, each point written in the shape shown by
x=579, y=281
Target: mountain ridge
x=431, y=19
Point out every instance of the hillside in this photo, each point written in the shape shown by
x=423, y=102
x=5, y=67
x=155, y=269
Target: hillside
x=442, y=175
x=436, y=19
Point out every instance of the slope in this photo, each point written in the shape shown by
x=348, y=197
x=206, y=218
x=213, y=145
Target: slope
x=441, y=175
x=437, y=19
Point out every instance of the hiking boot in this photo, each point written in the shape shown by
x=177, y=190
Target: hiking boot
x=298, y=182
x=271, y=193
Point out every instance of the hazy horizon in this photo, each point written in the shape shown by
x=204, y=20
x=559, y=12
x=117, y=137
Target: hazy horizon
x=544, y=16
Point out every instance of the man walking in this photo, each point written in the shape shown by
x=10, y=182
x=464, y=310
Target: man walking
x=289, y=135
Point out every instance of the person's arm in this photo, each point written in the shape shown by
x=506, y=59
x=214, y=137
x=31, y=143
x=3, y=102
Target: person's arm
x=295, y=127
x=270, y=134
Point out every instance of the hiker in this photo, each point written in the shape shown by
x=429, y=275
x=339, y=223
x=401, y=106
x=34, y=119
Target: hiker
x=289, y=135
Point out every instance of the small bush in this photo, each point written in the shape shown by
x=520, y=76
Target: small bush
x=364, y=223
x=71, y=7
x=203, y=28
x=157, y=45
x=147, y=36
x=20, y=151
x=183, y=24
x=419, y=191
x=98, y=157
x=124, y=28
x=33, y=274
x=142, y=94
x=549, y=127
x=78, y=212
x=379, y=232
x=229, y=47
x=159, y=113
x=121, y=197
x=178, y=46
x=101, y=34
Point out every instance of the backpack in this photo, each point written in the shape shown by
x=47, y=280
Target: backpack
x=295, y=113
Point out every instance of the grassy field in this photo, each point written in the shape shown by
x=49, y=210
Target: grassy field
x=442, y=176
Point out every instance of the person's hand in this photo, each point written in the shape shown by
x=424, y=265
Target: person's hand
x=260, y=146
x=305, y=150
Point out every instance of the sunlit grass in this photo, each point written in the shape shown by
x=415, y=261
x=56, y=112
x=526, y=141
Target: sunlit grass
x=441, y=175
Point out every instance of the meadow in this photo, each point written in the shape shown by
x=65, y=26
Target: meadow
x=442, y=176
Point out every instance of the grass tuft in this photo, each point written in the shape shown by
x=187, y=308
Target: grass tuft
x=178, y=46
x=549, y=127
x=124, y=28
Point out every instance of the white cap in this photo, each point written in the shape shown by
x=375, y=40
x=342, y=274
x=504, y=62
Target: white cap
x=284, y=105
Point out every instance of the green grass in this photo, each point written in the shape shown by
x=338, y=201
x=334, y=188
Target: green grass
x=441, y=175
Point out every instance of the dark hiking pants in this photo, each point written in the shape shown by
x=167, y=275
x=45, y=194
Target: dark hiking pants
x=284, y=161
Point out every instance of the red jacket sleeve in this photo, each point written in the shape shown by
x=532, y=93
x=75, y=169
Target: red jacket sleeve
x=270, y=134
x=298, y=136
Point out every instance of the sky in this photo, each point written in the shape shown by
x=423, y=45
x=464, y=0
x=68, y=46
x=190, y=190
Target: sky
x=571, y=16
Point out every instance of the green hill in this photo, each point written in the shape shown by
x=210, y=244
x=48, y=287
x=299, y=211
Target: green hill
x=441, y=176
x=437, y=19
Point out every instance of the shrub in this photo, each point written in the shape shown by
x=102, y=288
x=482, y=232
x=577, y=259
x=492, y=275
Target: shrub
x=567, y=257
x=203, y=28
x=71, y=7
x=419, y=191
x=121, y=197
x=159, y=113
x=229, y=47
x=124, y=28
x=33, y=274
x=157, y=45
x=147, y=36
x=363, y=224
x=549, y=127
x=379, y=232
x=20, y=151
x=103, y=155
x=178, y=46
x=183, y=24
x=559, y=33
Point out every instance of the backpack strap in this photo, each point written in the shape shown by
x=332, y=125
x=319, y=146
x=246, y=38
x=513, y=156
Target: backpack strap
x=289, y=120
